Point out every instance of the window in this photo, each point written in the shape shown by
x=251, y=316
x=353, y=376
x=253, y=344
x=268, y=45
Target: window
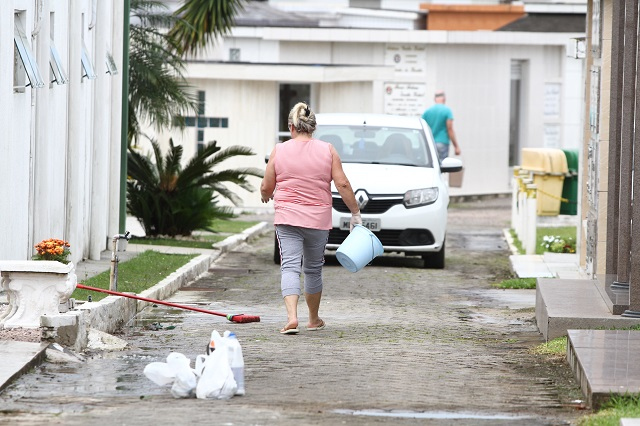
x=24, y=64
x=200, y=121
x=87, y=66
x=201, y=102
x=234, y=55
x=111, y=65
x=57, y=75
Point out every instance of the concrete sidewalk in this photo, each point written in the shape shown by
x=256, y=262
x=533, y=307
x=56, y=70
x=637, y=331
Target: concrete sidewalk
x=569, y=303
x=18, y=357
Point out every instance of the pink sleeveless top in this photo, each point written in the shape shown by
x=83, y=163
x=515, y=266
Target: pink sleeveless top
x=303, y=184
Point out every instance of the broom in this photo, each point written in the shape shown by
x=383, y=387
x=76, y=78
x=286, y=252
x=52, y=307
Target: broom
x=238, y=318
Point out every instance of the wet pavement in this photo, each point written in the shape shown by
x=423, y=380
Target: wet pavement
x=403, y=345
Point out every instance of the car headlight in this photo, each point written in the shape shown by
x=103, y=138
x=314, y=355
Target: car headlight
x=420, y=197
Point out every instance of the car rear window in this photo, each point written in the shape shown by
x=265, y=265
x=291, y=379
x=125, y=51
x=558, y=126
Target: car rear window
x=377, y=145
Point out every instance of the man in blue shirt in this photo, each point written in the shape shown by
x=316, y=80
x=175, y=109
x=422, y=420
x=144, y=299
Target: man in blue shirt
x=439, y=117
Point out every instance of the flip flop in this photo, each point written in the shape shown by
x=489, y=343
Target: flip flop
x=320, y=327
x=290, y=331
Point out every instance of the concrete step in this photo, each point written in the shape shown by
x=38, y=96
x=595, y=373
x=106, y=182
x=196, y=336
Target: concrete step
x=567, y=304
x=605, y=362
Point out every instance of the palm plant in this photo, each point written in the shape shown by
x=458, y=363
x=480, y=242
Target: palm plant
x=201, y=21
x=171, y=200
x=158, y=91
x=166, y=198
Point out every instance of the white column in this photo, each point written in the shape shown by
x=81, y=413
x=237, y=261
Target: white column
x=116, y=119
x=9, y=232
x=515, y=185
x=44, y=169
x=101, y=134
x=75, y=149
x=532, y=220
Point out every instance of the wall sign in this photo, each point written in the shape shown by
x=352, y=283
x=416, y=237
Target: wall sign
x=409, y=61
x=405, y=98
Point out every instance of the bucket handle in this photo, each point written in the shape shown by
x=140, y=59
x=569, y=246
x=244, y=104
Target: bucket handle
x=373, y=249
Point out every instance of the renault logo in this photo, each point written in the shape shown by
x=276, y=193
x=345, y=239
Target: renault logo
x=362, y=198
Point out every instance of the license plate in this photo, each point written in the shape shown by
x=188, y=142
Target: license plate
x=372, y=224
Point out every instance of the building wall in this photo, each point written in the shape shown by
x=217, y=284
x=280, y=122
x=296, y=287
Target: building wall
x=474, y=68
x=249, y=106
x=57, y=137
x=345, y=97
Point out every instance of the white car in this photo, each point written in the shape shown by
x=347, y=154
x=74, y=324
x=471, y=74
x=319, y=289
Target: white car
x=392, y=164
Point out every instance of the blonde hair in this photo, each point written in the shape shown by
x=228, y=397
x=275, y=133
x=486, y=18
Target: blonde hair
x=302, y=118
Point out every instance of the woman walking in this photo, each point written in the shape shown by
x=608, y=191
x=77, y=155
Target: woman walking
x=298, y=179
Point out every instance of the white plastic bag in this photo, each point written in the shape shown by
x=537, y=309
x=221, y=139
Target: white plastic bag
x=216, y=378
x=159, y=373
x=185, y=378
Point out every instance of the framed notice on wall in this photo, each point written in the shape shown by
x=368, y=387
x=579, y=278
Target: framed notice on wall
x=409, y=61
x=552, y=93
x=405, y=98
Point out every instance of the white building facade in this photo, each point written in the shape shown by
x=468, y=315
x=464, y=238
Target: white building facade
x=60, y=127
x=507, y=90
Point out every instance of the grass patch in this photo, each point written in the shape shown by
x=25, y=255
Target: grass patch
x=516, y=242
x=136, y=275
x=564, y=232
x=556, y=346
x=200, y=242
x=612, y=411
x=517, y=283
x=231, y=226
x=223, y=229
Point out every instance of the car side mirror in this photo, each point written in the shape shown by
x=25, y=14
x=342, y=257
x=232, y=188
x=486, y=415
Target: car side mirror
x=450, y=165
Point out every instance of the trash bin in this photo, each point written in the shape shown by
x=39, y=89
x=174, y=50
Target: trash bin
x=570, y=186
x=548, y=167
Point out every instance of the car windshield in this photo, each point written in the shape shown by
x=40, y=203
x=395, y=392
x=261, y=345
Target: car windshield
x=377, y=145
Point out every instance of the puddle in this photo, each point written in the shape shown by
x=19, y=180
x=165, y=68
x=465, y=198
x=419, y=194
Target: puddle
x=431, y=415
x=509, y=299
x=485, y=319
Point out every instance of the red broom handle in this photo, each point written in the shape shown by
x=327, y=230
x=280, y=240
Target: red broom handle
x=240, y=318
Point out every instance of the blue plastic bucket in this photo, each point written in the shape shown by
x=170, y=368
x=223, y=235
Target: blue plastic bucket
x=359, y=248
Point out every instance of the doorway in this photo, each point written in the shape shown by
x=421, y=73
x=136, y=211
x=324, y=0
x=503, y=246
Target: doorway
x=290, y=94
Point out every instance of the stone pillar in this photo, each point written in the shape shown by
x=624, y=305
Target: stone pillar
x=34, y=288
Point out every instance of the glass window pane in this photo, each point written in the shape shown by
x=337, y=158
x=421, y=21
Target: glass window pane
x=111, y=65
x=87, y=66
x=59, y=74
x=224, y=122
x=201, y=103
x=26, y=56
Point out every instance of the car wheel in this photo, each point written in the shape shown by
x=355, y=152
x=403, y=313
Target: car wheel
x=434, y=260
x=276, y=251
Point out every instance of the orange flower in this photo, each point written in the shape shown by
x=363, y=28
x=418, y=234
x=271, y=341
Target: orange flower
x=52, y=249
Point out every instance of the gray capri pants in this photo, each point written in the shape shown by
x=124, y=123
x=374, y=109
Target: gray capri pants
x=301, y=249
